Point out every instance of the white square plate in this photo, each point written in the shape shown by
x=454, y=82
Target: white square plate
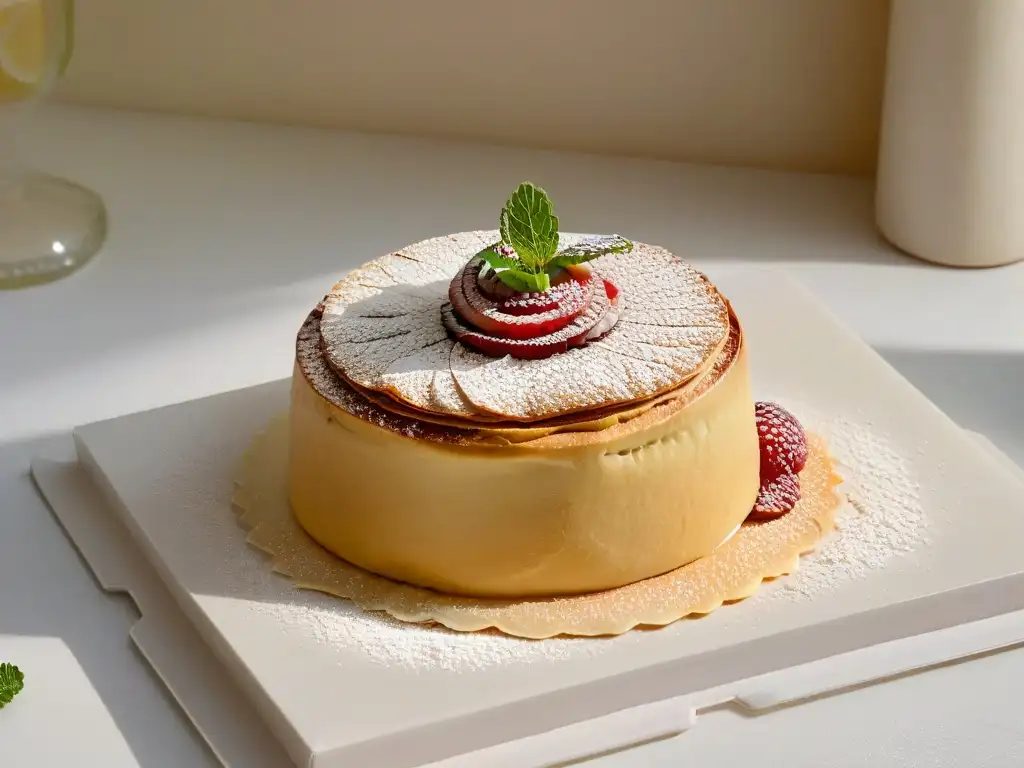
x=333, y=703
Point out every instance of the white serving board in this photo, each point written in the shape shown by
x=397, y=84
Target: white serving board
x=238, y=737
x=169, y=475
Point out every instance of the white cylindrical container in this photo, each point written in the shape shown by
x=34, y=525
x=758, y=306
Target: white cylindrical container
x=950, y=185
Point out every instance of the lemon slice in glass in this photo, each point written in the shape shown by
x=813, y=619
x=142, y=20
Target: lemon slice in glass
x=35, y=45
x=22, y=48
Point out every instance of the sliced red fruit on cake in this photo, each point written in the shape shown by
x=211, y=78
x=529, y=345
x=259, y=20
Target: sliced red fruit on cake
x=565, y=287
x=530, y=295
x=488, y=305
x=611, y=316
x=574, y=334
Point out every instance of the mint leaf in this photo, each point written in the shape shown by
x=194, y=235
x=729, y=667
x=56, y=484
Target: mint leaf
x=527, y=257
x=529, y=224
x=512, y=272
x=588, y=249
x=524, y=282
x=497, y=261
x=11, y=683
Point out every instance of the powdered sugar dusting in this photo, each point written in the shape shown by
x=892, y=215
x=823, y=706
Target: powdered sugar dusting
x=377, y=321
x=575, y=329
x=777, y=496
x=726, y=574
x=378, y=638
x=883, y=519
x=567, y=298
x=672, y=322
x=342, y=630
x=330, y=385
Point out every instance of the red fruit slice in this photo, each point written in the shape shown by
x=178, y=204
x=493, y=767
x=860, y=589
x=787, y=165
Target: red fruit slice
x=573, y=334
x=782, y=441
x=520, y=304
x=776, y=497
x=520, y=316
x=611, y=317
x=510, y=302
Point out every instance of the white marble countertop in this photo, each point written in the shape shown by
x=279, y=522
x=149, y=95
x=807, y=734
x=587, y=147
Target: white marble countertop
x=224, y=234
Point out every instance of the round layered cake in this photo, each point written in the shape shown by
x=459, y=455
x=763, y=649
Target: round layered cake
x=470, y=416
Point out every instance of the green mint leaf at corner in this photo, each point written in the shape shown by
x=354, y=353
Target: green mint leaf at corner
x=496, y=261
x=588, y=249
x=524, y=282
x=529, y=224
x=11, y=683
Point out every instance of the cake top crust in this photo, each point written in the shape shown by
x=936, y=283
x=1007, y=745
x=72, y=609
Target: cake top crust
x=596, y=427
x=381, y=331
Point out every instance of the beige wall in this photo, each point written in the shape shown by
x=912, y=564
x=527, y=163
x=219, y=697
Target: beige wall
x=777, y=83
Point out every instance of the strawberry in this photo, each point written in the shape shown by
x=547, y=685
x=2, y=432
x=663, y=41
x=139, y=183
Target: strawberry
x=782, y=441
x=776, y=497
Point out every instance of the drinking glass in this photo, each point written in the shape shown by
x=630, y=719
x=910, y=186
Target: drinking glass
x=49, y=227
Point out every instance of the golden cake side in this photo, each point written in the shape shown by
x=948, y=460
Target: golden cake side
x=572, y=512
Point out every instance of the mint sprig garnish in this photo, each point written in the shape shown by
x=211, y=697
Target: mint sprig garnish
x=529, y=224
x=12, y=681
x=524, y=282
x=528, y=257
x=513, y=273
x=590, y=248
